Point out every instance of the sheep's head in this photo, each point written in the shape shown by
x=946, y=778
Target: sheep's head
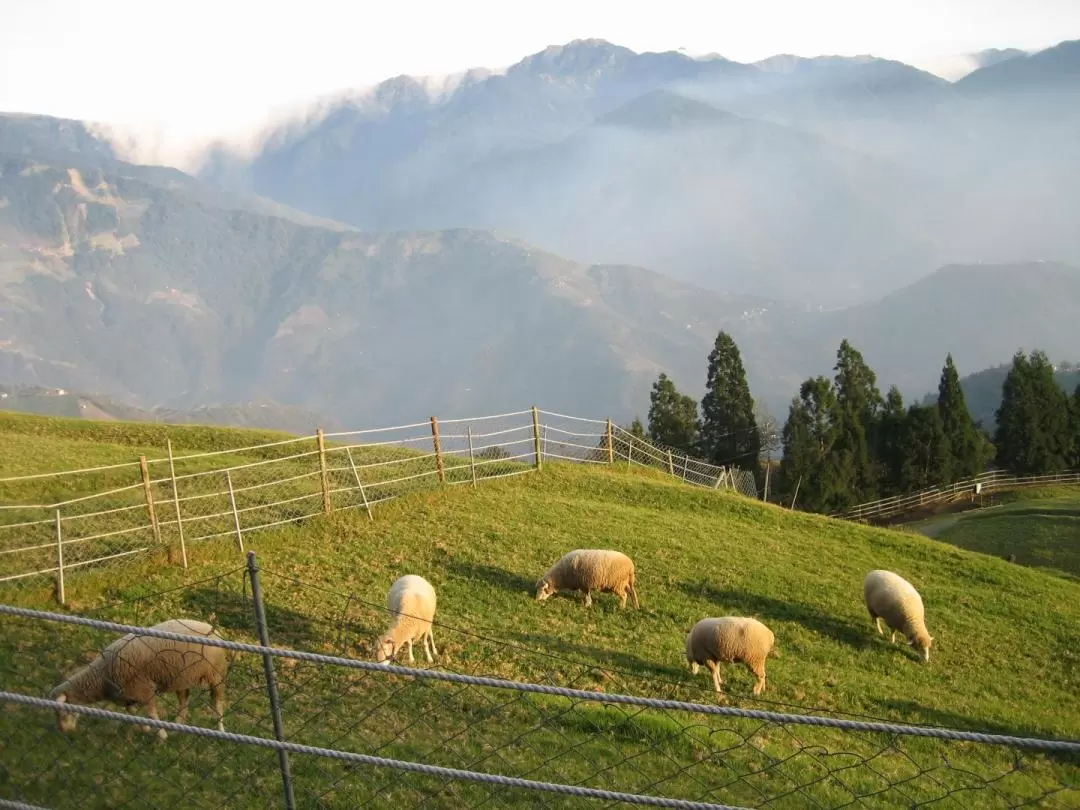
x=921, y=644
x=385, y=648
x=65, y=721
x=544, y=589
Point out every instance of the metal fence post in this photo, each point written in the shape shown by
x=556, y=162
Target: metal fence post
x=271, y=679
x=59, y=560
x=359, y=483
x=472, y=458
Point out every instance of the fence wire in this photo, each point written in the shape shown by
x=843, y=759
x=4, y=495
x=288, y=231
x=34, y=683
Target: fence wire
x=458, y=732
x=54, y=526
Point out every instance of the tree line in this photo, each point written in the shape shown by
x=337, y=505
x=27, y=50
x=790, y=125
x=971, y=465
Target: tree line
x=844, y=443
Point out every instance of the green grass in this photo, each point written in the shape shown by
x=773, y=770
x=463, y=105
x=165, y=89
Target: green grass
x=1041, y=528
x=1005, y=657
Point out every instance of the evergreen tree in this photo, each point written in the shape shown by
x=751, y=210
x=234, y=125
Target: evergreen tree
x=637, y=429
x=809, y=435
x=966, y=447
x=673, y=417
x=1033, y=419
x=1074, y=423
x=925, y=449
x=858, y=404
x=729, y=432
x=891, y=429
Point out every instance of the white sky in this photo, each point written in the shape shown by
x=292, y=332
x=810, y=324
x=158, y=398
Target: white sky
x=182, y=72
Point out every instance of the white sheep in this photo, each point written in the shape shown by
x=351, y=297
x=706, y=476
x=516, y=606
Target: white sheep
x=412, y=601
x=591, y=569
x=135, y=669
x=727, y=639
x=891, y=597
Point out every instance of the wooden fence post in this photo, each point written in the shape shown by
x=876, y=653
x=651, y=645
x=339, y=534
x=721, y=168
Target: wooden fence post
x=148, y=492
x=320, y=440
x=796, y=495
x=610, y=434
x=359, y=483
x=235, y=514
x=538, y=448
x=670, y=464
x=720, y=478
x=472, y=458
x=59, y=560
x=438, y=450
x=176, y=503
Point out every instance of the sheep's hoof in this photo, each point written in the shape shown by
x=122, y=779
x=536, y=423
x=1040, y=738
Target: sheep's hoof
x=162, y=734
x=145, y=729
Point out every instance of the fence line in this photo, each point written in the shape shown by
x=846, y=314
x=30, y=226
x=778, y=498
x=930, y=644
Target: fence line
x=969, y=488
x=180, y=500
x=703, y=755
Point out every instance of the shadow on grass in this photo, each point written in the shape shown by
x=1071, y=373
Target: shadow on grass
x=493, y=575
x=235, y=612
x=598, y=657
x=945, y=719
x=738, y=602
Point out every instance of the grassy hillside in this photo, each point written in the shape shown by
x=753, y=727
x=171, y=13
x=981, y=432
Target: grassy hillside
x=1040, y=528
x=1005, y=656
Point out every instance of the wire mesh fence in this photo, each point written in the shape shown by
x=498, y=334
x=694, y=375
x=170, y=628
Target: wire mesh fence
x=456, y=732
x=54, y=525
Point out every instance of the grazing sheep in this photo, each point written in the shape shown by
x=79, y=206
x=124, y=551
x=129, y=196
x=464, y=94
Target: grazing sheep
x=591, y=570
x=891, y=597
x=135, y=669
x=728, y=639
x=412, y=601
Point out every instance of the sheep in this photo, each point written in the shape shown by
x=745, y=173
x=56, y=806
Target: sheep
x=591, y=570
x=135, y=669
x=727, y=639
x=892, y=598
x=412, y=601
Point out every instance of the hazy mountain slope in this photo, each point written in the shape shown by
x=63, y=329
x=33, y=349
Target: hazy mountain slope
x=111, y=284
x=684, y=187
x=60, y=402
x=981, y=313
x=973, y=176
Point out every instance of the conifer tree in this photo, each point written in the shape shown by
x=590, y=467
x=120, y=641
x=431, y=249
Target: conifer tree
x=891, y=429
x=809, y=435
x=858, y=404
x=673, y=417
x=925, y=449
x=1033, y=419
x=729, y=432
x=966, y=447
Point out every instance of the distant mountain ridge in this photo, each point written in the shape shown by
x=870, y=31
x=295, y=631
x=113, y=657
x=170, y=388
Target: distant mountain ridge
x=936, y=172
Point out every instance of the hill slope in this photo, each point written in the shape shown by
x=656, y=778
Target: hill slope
x=170, y=301
x=799, y=573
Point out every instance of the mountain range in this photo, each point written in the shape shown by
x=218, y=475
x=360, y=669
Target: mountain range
x=832, y=180
x=482, y=245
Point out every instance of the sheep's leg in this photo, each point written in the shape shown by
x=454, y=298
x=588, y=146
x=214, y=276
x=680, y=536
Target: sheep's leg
x=182, y=715
x=758, y=669
x=219, y=704
x=633, y=595
x=877, y=624
x=151, y=709
x=622, y=599
x=409, y=643
x=427, y=650
x=431, y=638
x=715, y=670
x=892, y=638
x=588, y=597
